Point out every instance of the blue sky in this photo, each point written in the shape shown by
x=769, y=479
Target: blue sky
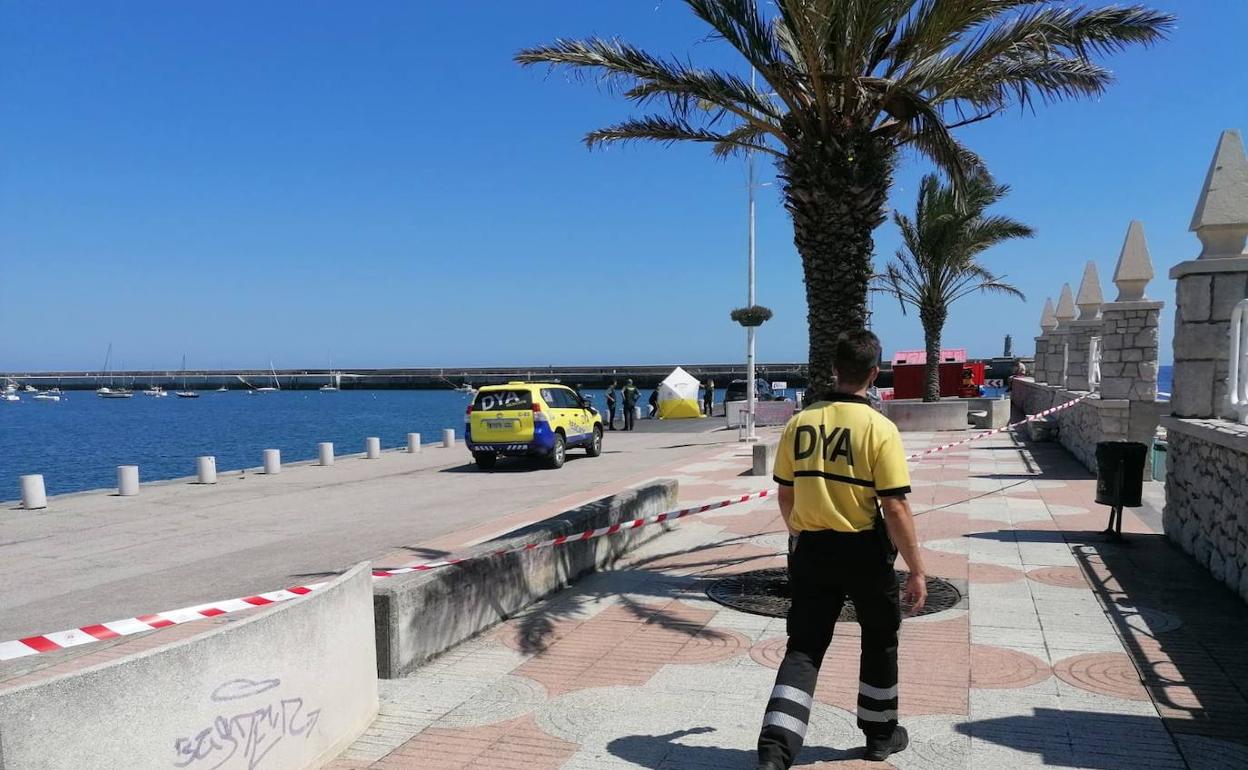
x=378, y=184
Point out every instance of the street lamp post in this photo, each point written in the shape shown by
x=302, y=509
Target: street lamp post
x=750, y=395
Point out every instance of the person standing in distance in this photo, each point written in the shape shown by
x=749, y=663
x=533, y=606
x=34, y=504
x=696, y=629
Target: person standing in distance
x=843, y=484
x=611, y=396
x=708, y=398
x=631, y=397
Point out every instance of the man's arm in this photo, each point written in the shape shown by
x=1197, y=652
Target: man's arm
x=786, y=506
x=900, y=523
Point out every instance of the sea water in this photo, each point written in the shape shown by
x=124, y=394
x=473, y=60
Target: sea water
x=78, y=443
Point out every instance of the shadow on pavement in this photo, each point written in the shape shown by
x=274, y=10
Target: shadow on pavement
x=661, y=752
x=1085, y=739
x=1183, y=631
x=629, y=587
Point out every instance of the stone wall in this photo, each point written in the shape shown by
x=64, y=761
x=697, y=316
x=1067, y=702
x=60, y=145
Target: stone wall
x=1201, y=328
x=1129, y=350
x=1207, y=496
x=1081, y=426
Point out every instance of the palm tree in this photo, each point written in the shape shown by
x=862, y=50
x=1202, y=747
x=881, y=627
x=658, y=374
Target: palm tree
x=938, y=263
x=848, y=83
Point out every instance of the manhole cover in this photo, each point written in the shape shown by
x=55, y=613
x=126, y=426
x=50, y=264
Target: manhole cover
x=766, y=592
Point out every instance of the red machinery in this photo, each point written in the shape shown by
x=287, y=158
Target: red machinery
x=909, y=372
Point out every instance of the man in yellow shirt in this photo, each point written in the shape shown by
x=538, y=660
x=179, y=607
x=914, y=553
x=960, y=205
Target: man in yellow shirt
x=843, y=485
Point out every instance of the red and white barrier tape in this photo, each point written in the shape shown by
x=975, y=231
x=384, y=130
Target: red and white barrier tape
x=33, y=645
x=994, y=431
x=74, y=637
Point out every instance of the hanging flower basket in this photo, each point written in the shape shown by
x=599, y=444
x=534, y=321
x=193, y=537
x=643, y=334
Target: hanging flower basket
x=755, y=315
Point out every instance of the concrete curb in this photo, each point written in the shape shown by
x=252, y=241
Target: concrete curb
x=421, y=615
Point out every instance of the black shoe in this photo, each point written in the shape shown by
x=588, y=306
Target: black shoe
x=879, y=747
x=769, y=765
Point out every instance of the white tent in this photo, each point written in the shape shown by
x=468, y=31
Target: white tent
x=678, y=396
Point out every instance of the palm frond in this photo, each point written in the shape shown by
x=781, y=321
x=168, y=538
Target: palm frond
x=645, y=76
x=668, y=130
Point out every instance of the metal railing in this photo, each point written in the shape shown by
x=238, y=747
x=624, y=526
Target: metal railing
x=1094, y=363
x=1237, y=382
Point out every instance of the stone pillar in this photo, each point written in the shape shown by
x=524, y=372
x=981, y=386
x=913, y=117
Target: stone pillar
x=1056, y=360
x=1047, y=323
x=1129, y=326
x=1210, y=286
x=1084, y=328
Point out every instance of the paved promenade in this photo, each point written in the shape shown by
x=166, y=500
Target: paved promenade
x=95, y=557
x=1066, y=652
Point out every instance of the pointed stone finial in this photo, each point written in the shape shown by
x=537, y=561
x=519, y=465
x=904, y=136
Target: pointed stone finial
x=1065, y=306
x=1135, y=266
x=1090, y=298
x=1221, y=217
x=1048, y=320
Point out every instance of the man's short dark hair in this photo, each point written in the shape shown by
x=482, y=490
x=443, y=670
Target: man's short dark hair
x=856, y=353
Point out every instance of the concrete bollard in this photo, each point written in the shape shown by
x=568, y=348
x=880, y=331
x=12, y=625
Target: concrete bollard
x=372, y=448
x=413, y=443
x=272, y=461
x=127, y=480
x=448, y=437
x=325, y=453
x=34, y=496
x=764, y=459
x=206, y=469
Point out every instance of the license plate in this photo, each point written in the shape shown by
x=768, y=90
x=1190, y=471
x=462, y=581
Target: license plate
x=500, y=424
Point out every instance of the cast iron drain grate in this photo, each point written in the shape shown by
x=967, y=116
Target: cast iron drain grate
x=766, y=592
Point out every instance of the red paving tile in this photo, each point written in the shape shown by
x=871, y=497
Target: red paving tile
x=514, y=745
x=1062, y=577
x=993, y=573
x=996, y=667
x=625, y=646
x=1107, y=673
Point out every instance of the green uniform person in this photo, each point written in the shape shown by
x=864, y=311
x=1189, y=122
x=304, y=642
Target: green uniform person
x=631, y=397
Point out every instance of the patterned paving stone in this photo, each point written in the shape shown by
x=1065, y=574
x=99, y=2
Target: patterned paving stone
x=993, y=573
x=999, y=668
x=1106, y=673
x=1062, y=577
x=518, y=744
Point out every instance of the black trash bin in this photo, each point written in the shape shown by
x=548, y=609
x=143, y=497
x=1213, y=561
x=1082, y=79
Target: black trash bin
x=1119, y=479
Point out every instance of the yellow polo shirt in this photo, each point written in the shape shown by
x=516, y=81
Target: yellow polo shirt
x=840, y=456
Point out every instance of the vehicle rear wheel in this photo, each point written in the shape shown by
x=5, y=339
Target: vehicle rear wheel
x=594, y=448
x=558, y=453
x=485, y=460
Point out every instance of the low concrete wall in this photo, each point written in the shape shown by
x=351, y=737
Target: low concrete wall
x=291, y=686
x=423, y=614
x=998, y=410
x=914, y=415
x=1207, y=496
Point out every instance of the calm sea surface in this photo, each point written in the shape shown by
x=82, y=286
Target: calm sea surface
x=78, y=443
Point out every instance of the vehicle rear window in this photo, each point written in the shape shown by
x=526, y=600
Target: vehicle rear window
x=495, y=400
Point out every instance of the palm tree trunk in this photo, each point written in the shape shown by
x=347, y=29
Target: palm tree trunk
x=836, y=197
x=933, y=320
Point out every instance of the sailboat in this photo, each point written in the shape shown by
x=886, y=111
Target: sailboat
x=276, y=385
x=106, y=391
x=154, y=390
x=335, y=380
x=185, y=392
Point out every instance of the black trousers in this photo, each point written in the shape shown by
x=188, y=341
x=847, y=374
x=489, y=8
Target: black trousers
x=825, y=568
x=630, y=413
x=611, y=411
